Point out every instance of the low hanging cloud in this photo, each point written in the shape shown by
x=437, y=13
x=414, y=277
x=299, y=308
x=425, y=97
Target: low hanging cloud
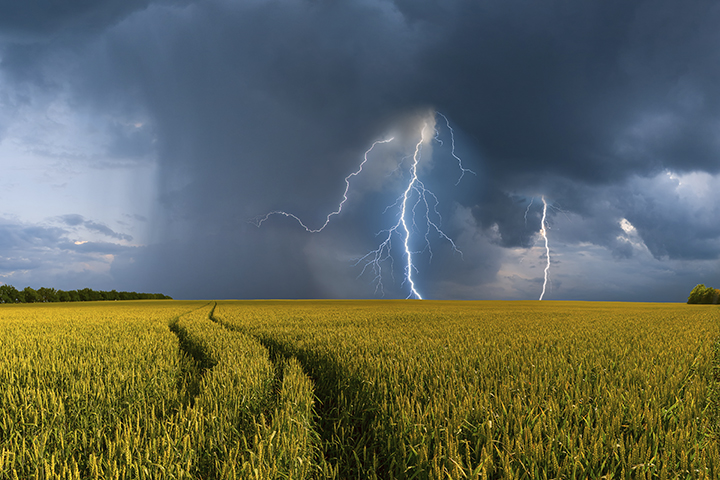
x=42, y=255
x=75, y=220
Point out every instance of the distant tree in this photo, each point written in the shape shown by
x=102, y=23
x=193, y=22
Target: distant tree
x=14, y=294
x=711, y=296
x=29, y=295
x=47, y=294
x=8, y=294
x=703, y=294
x=697, y=293
x=88, y=295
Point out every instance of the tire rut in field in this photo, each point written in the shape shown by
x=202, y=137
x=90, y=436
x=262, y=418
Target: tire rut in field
x=332, y=384
x=194, y=363
x=278, y=365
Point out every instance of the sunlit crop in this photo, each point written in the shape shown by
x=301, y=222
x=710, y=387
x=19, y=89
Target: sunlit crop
x=502, y=390
x=87, y=391
x=358, y=389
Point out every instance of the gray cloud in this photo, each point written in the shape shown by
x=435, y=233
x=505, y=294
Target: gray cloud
x=105, y=230
x=102, y=248
x=76, y=220
x=73, y=219
x=36, y=21
x=255, y=106
x=13, y=236
x=38, y=255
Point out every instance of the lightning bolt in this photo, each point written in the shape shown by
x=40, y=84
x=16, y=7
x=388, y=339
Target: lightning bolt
x=415, y=198
x=452, y=149
x=260, y=220
x=378, y=255
x=413, y=181
x=543, y=232
x=425, y=199
x=527, y=210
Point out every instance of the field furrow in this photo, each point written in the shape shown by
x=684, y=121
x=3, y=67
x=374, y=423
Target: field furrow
x=88, y=391
x=194, y=363
x=359, y=389
x=255, y=416
x=501, y=389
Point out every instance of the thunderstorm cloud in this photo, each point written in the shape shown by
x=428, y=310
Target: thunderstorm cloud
x=139, y=139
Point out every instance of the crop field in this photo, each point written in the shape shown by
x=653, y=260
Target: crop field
x=359, y=389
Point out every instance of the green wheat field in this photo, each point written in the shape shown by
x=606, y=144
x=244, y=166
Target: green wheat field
x=359, y=390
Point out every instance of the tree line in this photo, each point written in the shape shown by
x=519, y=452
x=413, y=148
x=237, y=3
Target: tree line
x=10, y=294
x=703, y=294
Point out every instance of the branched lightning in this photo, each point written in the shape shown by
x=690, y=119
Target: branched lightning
x=527, y=210
x=259, y=220
x=543, y=232
x=414, y=200
x=452, y=149
x=373, y=260
x=413, y=181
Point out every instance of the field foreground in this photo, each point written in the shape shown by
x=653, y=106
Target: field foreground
x=359, y=389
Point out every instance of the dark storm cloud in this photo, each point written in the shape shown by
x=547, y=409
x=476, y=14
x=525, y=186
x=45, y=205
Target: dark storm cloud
x=130, y=141
x=548, y=95
x=257, y=106
x=506, y=213
x=674, y=221
x=263, y=94
x=670, y=226
x=212, y=267
x=29, y=30
x=590, y=91
x=38, y=19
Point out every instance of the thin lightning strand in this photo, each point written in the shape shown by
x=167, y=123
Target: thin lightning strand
x=452, y=149
x=543, y=232
x=527, y=210
x=259, y=221
x=374, y=260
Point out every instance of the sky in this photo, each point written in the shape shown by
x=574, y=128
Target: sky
x=140, y=141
